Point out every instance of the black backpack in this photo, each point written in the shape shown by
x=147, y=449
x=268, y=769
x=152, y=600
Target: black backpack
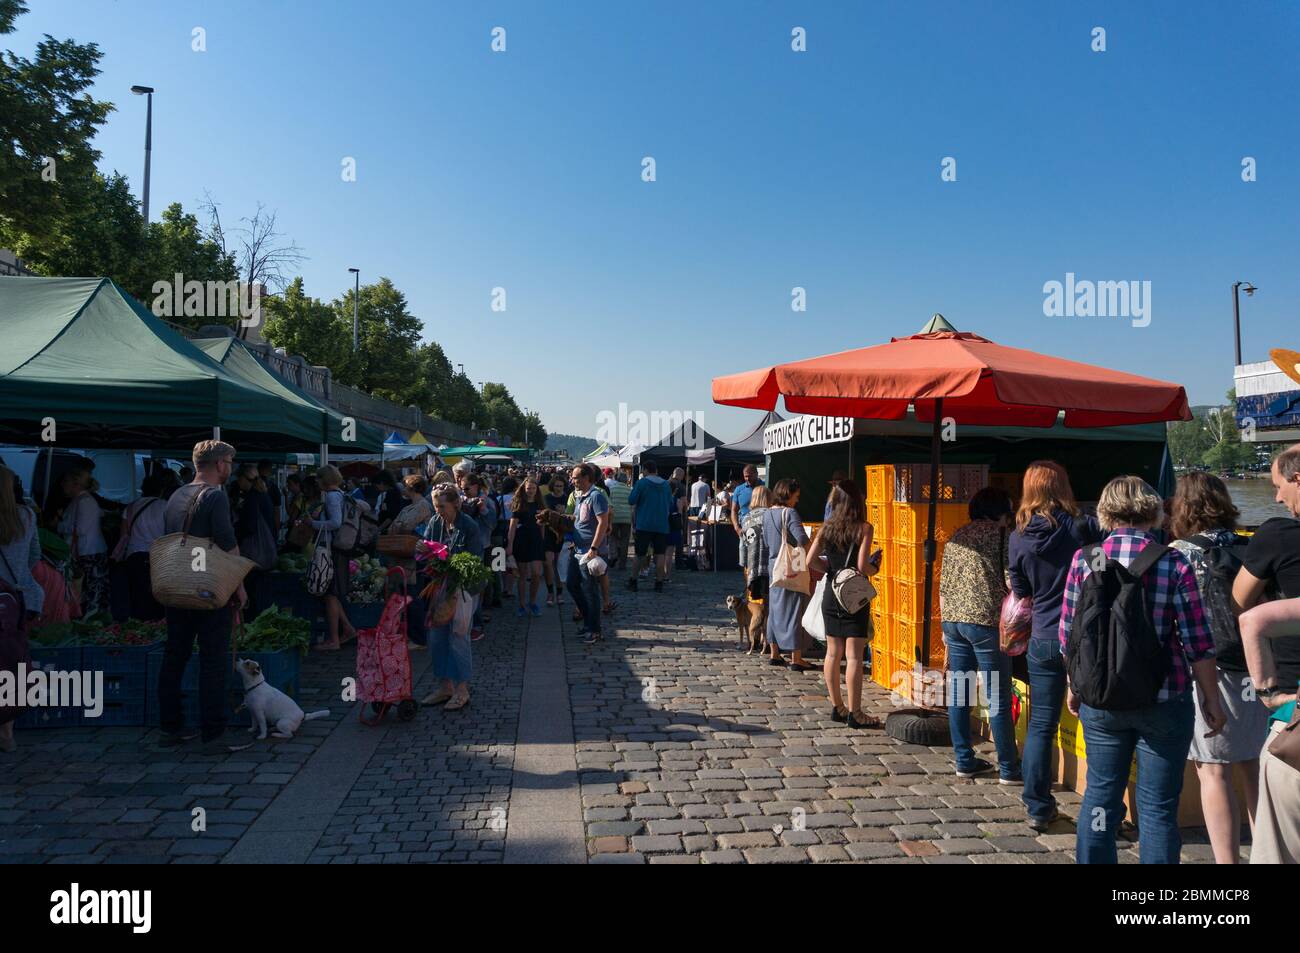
x=1221, y=565
x=1116, y=660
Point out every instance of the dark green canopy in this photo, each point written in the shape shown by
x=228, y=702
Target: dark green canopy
x=84, y=353
x=235, y=357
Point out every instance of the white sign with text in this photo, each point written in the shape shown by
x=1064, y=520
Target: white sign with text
x=806, y=431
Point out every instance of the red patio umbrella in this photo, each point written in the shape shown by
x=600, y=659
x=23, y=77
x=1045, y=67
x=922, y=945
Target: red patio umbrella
x=945, y=373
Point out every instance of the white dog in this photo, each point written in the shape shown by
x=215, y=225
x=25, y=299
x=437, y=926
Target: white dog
x=270, y=706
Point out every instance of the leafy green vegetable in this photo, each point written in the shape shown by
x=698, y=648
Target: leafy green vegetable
x=275, y=629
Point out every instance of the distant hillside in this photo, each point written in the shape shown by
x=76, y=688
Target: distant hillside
x=576, y=446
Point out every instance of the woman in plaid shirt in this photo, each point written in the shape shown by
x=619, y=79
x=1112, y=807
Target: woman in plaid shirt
x=1161, y=733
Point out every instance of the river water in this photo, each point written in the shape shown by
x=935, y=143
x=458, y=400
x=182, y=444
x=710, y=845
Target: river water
x=1256, y=500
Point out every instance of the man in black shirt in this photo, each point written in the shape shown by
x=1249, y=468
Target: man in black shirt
x=1272, y=563
x=213, y=461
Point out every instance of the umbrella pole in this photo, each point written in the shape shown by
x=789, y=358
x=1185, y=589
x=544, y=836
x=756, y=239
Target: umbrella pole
x=935, y=449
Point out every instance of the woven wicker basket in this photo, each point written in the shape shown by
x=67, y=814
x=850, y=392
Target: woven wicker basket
x=398, y=546
x=179, y=585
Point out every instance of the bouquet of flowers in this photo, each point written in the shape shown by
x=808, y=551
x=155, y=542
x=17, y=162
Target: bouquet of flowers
x=448, y=575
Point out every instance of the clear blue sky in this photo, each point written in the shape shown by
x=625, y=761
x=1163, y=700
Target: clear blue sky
x=775, y=169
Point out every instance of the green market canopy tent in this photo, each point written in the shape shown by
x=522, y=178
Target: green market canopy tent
x=84, y=353
x=329, y=424
x=480, y=450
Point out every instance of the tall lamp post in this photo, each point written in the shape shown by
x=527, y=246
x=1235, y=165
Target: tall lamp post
x=356, y=298
x=1236, y=312
x=147, y=92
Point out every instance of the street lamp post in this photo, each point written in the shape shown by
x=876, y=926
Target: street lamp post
x=1236, y=313
x=147, y=92
x=356, y=297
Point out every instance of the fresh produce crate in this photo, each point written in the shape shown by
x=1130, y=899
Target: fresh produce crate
x=126, y=681
x=65, y=658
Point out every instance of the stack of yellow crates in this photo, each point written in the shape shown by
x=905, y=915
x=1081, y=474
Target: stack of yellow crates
x=900, y=527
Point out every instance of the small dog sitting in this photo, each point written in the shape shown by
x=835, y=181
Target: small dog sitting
x=751, y=620
x=269, y=706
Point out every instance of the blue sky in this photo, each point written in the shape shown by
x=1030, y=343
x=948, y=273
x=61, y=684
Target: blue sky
x=775, y=169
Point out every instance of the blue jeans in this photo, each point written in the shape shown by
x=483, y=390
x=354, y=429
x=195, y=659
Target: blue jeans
x=585, y=590
x=1161, y=735
x=972, y=649
x=450, y=655
x=1046, y=695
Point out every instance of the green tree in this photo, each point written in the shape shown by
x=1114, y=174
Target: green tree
x=502, y=411
x=464, y=404
x=535, y=431
x=308, y=326
x=95, y=230
x=386, y=362
x=45, y=114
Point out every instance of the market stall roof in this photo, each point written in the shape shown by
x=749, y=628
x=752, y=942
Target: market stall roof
x=598, y=452
x=394, y=437
x=418, y=437
x=479, y=450
x=671, y=451
x=84, y=353
x=748, y=449
x=980, y=382
x=329, y=425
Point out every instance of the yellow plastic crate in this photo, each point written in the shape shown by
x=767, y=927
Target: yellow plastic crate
x=891, y=672
x=909, y=522
x=880, y=484
x=907, y=636
x=906, y=561
x=881, y=517
x=907, y=599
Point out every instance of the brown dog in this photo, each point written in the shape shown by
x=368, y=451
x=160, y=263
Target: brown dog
x=553, y=522
x=751, y=621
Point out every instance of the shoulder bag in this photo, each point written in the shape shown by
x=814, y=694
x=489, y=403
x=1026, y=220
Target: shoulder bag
x=192, y=572
x=790, y=571
x=852, y=590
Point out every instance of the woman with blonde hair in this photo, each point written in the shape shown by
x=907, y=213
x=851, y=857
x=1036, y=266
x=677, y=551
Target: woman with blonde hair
x=327, y=522
x=1157, y=725
x=1049, y=531
x=19, y=552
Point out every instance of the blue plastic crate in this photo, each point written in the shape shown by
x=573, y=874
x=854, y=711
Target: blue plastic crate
x=364, y=616
x=282, y=669
x=64, y=658
x=124, y=713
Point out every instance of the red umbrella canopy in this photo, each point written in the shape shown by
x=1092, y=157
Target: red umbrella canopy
x=980, y=382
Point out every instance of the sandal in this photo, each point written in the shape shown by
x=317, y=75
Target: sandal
x=456, y=704
x=866, y=721
x=610, y=607
x=776, y=660
x=436, y=698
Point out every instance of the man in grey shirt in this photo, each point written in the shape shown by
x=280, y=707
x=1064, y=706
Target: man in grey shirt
x=213, y=462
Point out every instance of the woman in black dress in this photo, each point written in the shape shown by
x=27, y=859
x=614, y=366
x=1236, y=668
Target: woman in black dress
x=525, y=544
x=844, y=542
x=555, y=499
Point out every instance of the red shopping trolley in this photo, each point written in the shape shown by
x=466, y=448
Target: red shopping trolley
x=383, y=661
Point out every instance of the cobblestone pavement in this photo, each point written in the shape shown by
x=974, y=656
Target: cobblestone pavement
x=687, y=751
